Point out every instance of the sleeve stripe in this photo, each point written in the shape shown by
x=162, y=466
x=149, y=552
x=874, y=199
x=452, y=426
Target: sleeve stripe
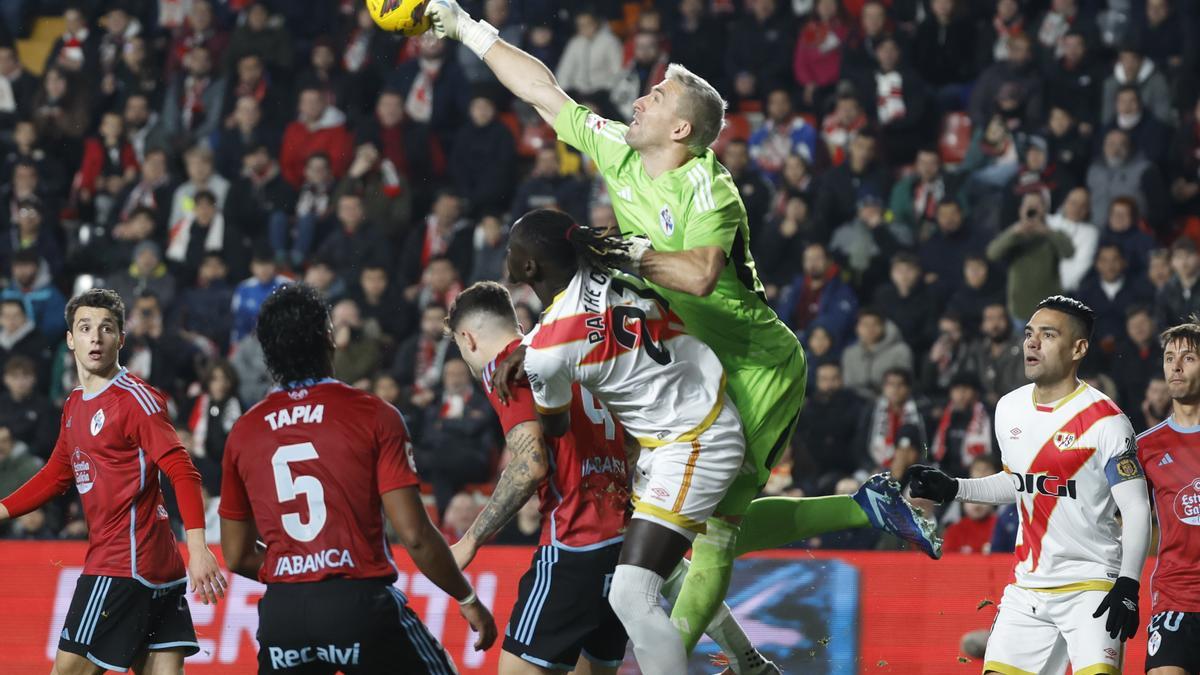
x=703, y=186
x=143, y=397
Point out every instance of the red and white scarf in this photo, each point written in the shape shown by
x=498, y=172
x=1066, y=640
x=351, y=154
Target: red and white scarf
x=889, y=97
x=976, y=442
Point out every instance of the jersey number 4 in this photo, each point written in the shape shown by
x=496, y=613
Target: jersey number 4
x=288, y=488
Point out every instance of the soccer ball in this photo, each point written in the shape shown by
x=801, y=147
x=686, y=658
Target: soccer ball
x=404, y=16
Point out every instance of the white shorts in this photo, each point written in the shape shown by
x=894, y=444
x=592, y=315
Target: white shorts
x=1042, y=632
x=679, y=485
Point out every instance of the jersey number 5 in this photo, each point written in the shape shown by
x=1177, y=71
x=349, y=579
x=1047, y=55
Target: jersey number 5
x=289, y=488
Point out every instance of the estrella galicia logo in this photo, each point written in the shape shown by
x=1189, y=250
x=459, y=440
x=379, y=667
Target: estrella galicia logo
x=85, y=471
x=1187, y=503
x=98, y=421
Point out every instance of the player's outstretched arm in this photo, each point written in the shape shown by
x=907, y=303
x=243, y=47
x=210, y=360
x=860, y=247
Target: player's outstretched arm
x=526, y=77
x=525, y=472
x=431, y=555
x=926, y=482
x=695, y=271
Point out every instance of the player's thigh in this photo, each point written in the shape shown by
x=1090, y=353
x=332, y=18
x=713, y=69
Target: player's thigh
x=160, y=662
x=511, y=664
x=66, y=663
x=1091, y=648
x=1173, y=643
x=679, y=485
x=108, y=622
x=1023, y=638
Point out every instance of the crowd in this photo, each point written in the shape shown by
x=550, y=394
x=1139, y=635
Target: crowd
x=917, y=175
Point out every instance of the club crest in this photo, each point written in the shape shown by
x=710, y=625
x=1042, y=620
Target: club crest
x=97, y=421
x=667, y=222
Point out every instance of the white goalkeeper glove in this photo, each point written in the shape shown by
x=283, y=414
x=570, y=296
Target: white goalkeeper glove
x=635, y=250
x=452, y=21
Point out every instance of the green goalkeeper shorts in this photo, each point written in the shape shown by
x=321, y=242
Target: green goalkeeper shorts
x=769, y=401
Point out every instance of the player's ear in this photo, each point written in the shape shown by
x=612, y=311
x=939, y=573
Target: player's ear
x=681, y=130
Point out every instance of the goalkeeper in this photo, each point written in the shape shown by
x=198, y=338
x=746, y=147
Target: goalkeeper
x=690, y=241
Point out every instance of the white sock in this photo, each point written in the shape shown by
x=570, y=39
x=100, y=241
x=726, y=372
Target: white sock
x=724, y=628
x=634, y=596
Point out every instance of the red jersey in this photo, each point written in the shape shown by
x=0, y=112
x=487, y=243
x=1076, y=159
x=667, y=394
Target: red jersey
x=585, y=499
x=1170, y=455
x=111, y=444
x=309, y=464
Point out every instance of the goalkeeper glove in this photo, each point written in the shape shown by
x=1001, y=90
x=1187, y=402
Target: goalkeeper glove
x=1122, y=605
x=635, y=250
x=452, y=21
x=926, y=482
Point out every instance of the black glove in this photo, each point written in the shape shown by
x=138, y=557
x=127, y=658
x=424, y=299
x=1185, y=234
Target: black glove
x=1121, y=603
x=926, y=482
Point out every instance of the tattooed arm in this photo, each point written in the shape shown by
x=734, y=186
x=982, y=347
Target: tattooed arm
x=525, y=472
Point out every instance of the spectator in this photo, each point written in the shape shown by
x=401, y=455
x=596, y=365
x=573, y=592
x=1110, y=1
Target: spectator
x=1178, y=299
x=647, y=68
x=841, y=126
x=978, y=287
x=818, y=296
x=1072, y=221
x=481, y=162
x=881, y=429
x=548, y=188
x=1015, y=79
x=1110, y=292
x=907, y=302
x=325, y=75
x=258, y=35
x=781, y=243
x=357, y=355
x=17, y=89
x=842, y=186
x=254, y=82
x=873, y=25
x=24, y=409
x=147, y=272
x=1073, y=81
x=915, y=198
x=43, y=301
x=439, y=285
x=1159, y=272
x=212, y=415
x=253, y=377
x=1168, y=38
x=997, y=356
x=973, y=532
x=1032, y=252
x=321, y=275
x=199, y=30
x=592, y=58
x=411, y=147
x=1138, y=358
x=292, y=239
x=1146, y=133
x=30, y=232
x=754, y=190
x=490, y=250
x=820, y=348
x=943, y=254
x=1052, y=28
x=419, y=360
x=782, y=134
x=77, y=50
x=1183, y=165
x=151, y=191
x=61, y=113
x=944, y=53
x=948, y=358
x=496, y=13
x=1134, y=70
x=992, y=161
x=386, y=315
x=105, y=156
x=19, y=338
x=137, y=74
x=202, y=232
x=1156, y=405
x=1035, y=174
x=244, y=130
x=192, y=110
x=445, y=234
x=354, y=242
x=155, y=351
x=899, y=104
x=827, y=427
x=199, y=164
x=862, y=245
x=386, y=193
x=759, y=50
x=818, y=58
x=964, y=432
x=878, y=350
x=1118, y=172
x=457, y=435
x=17, y=464
x=260, y=201
x=32, y=170
x=435, y=91
x=143, y=125
x=205, y=308
x=249, y=296
x=1124, y=231
x=698, y=40
x=319, y=127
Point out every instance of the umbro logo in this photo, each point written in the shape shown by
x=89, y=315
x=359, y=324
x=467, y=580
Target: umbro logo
x=1166, y=460
x=1014, y=432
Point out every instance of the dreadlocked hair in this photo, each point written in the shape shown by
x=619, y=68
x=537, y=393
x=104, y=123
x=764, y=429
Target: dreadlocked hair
x=554, y=234
x=293, y=328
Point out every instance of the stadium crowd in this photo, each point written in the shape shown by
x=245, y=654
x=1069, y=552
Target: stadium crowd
x=917, y=175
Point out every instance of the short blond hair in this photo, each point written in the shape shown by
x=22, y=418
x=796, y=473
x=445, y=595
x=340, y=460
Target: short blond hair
x=701, y=105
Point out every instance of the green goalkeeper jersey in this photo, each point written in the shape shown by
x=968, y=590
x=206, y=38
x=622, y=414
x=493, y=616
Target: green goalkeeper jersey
x=693, y=206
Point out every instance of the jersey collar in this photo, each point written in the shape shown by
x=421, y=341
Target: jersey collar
x=120, y=373
x=1051, y=407
x=298, y=384
x=1181, y=429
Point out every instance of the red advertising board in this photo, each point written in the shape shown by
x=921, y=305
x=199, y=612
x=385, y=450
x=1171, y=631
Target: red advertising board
x=906, y=613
